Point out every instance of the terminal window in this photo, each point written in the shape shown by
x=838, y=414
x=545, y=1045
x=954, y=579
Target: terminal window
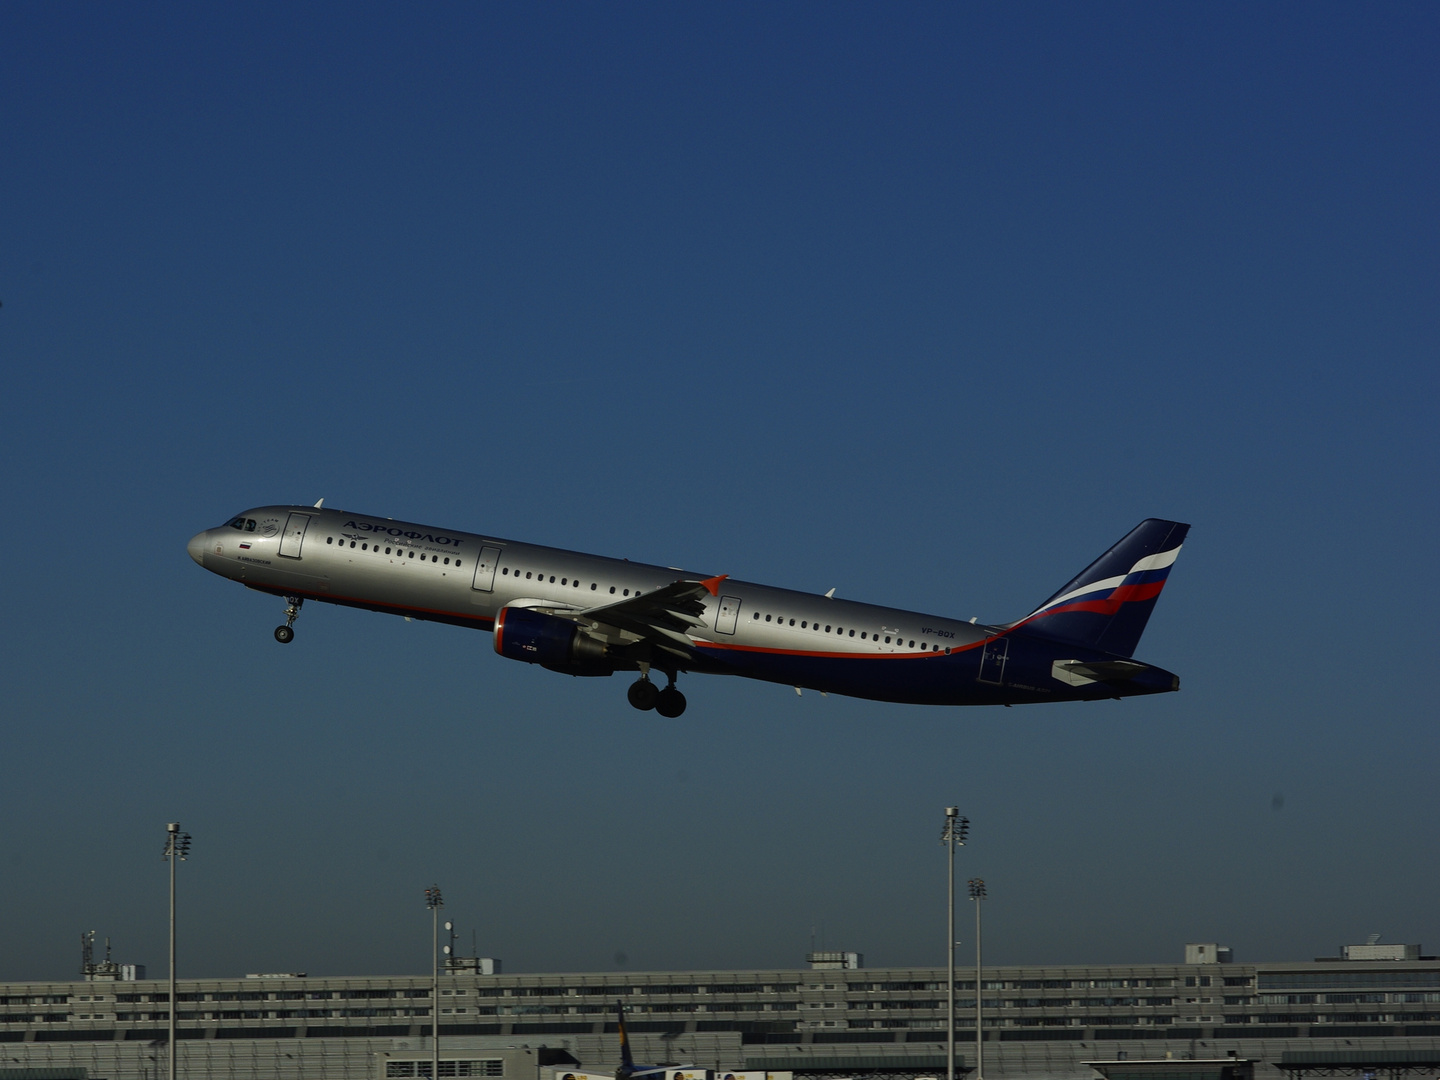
x=481, y=1067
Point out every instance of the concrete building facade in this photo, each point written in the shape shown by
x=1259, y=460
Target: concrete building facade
x=1040, y=1022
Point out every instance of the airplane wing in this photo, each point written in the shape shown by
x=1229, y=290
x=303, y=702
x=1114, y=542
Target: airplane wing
x=660, y=618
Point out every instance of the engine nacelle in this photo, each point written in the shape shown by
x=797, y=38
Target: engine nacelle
x=558, y=644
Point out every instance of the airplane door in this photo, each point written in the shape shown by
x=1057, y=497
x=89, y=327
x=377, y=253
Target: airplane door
x=992, y=661
x=729, y=612
x=485, y=569
x=294, y=535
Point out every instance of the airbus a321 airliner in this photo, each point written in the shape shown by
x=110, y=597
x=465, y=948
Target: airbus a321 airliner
x=588, y=615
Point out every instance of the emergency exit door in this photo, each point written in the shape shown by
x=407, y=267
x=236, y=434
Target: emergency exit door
x=485, y=569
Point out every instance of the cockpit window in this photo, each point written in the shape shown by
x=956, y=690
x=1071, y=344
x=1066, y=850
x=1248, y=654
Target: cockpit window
x=238, y=523
x=243, y=524
x=249, y=524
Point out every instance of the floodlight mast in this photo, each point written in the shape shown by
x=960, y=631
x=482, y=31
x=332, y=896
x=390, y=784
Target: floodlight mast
x=434, y=902
x=177, y=848
x=953, y=835
x=977, y=894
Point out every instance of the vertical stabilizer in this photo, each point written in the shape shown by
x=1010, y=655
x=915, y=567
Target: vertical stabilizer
x=627, y=1062
x=1107, y=605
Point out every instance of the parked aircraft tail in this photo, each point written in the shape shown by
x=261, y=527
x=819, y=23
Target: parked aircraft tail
x=627, y=1062
x=1107, y=605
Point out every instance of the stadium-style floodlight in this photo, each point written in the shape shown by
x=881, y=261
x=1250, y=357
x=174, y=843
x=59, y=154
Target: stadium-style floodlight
x=177, y=849
x=953, y=835
x=977, y=894
x=434, y=901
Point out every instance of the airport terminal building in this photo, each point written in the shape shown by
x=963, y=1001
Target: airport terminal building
x=1204, y=1019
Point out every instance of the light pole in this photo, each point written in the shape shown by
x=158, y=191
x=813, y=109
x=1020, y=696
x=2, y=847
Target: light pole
x=434, y=902
x=977, y=894
x=953, y=835
x=177, y=848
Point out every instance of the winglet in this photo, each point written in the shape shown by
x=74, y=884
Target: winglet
x=712, y=585
x=319, y=504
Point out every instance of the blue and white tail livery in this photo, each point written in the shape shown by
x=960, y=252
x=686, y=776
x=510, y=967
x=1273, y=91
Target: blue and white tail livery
x=1107, y=605
x=582, y=614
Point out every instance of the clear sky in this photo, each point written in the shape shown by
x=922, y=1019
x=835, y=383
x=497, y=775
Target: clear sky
x=929, y=303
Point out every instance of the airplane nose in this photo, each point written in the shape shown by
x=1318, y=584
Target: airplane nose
x=196, y=547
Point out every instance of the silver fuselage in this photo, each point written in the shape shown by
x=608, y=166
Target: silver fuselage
x=448, y=576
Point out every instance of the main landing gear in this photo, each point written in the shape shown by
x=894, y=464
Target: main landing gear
x=286, y=634
x=645, y=695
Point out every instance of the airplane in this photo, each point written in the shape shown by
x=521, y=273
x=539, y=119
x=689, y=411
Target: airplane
x=627, y=1069
x=587, y=615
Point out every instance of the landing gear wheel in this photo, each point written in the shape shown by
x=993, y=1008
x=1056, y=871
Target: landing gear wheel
x=670, y=703
x=643, y=694
x=286, y=634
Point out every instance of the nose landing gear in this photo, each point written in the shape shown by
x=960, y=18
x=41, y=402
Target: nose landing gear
x=286, y=634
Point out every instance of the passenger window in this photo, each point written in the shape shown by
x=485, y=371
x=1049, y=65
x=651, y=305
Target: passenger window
x=457, y=562
x=612, y=590
x=827, y=630
x=792, y=622
x=803, y=624
x=330, y=539
x=552, y=579
x=862, y=635
x=577, y=583
x=756, y=615
x=887, y=640
x=504, y=570
x=767, y=618
x=562, y=581
x=852, y=634
x=352, y=543
x=627, y=592
x=912, y=644
x=527, y=575
x=364, y=547
x=412, y=554
x=447, y=560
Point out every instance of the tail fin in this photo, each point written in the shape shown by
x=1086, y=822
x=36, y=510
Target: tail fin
x=628, y=1062
x=1107, y=605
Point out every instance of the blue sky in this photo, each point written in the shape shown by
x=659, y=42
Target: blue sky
x=929, y=303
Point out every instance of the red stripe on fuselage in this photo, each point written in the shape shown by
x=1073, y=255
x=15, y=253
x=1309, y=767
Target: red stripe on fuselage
x=1123, y=594
x=728, y=646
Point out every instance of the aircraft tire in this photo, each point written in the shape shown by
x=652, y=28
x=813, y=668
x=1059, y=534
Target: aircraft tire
x=284, y=635
x=670, y=703
x=643, y=694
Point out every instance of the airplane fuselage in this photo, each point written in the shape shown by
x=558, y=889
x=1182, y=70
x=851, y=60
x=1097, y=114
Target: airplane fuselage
x=740, y=627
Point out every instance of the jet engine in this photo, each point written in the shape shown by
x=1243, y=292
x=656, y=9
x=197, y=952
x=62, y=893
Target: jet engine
x=557, y=644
